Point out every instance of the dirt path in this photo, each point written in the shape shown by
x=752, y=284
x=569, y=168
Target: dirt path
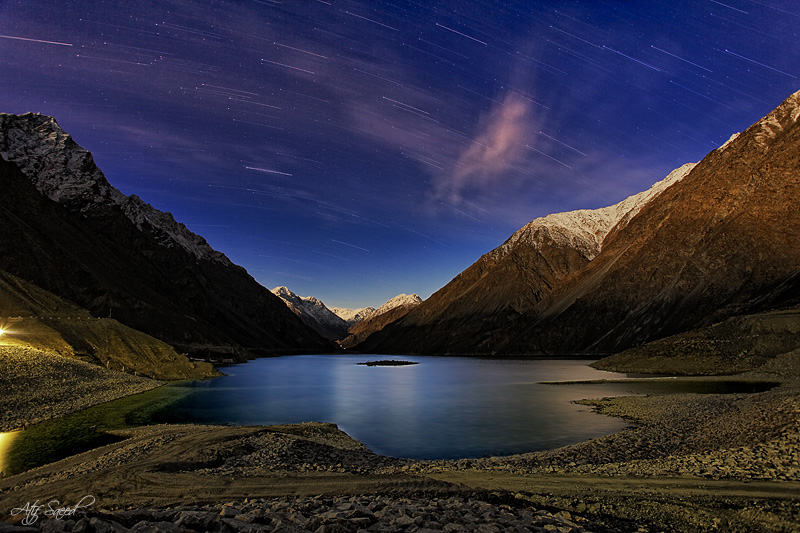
x=665, y=503
x=167, y=465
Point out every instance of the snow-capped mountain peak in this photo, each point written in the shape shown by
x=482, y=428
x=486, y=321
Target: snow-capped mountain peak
x=314, y=312
x=66, y=173
x=585, y=229
x=351, y=316
x=397, y=301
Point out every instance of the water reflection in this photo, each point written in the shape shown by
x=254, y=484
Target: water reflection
x=441, y=408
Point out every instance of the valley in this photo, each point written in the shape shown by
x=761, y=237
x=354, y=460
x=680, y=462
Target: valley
x=103, y=296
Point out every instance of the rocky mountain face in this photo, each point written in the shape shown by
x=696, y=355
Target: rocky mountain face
x=359, y=324
x=34, y=317
x=351, y=316
x=64, y=228
x=314, y=313
x=66, y=173
x=391, y=311
x=711, y=241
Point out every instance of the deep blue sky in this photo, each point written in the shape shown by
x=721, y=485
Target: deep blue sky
x=354, y=150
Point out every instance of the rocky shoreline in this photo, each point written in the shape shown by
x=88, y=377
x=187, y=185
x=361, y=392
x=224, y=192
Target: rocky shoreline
x=688, y=462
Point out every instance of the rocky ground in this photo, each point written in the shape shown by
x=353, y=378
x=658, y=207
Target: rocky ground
x=479, y=511
x=38, y=385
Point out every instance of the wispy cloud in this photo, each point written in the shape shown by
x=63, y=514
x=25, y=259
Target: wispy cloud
x=498, y=146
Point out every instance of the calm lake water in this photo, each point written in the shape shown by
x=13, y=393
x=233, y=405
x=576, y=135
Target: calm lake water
x=441, y=408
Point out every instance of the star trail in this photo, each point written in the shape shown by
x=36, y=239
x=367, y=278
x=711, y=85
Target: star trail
x=354, y=150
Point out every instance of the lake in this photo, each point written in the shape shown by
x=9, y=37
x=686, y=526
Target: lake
x=440, y=408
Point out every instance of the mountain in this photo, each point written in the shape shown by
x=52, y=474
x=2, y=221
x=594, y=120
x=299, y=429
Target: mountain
x=66, y=173
x=399, y=301
x=351, y=316
x=391, y=311
x=715, y=240
x=474, y=312
x=64, y=228
x=351, y=326
x=314, y=313
x=34, y=317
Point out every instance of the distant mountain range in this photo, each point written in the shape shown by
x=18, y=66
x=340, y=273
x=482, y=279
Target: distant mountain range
x=347, y=326
x=713, y=240
x=389, y=312
x=64, y=228
x=351, y=316
x=314, y=313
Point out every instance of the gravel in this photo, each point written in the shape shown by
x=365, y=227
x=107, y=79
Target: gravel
x=39, y=385
x=479, y=511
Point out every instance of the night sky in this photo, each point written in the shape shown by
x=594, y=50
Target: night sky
x=354, y=150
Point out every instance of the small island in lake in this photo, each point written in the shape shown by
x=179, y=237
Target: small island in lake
x=390, y=362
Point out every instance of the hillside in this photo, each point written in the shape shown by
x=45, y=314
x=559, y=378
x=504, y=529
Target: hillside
x=66, y=229
x=36, y=318
x=738, y=344
x=722, y=242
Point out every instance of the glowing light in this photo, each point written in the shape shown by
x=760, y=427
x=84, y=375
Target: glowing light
x=6, y=440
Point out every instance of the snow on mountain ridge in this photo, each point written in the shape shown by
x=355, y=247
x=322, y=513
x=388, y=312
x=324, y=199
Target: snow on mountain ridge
x=351, y=316
x=585, y=229
x=311, y=308
x=772, y=124
x=397, y=301
x=58, y=167
x=66, y=173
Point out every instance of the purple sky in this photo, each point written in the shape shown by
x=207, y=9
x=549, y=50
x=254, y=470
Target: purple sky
x=355, y=150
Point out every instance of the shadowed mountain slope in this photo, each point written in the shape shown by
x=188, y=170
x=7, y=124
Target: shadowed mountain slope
x=738, y=344
x=81, y=239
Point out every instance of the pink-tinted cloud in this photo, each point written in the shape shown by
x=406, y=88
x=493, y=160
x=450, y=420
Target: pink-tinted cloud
x=497, y=147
